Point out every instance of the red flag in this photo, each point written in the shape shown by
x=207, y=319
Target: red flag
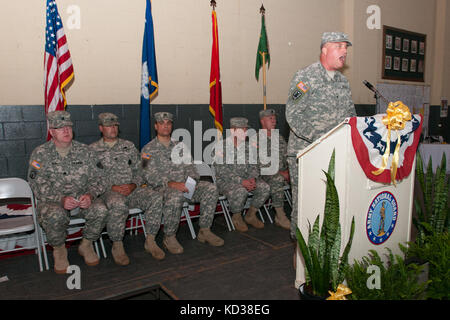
x=57, y=62
x=215, y=87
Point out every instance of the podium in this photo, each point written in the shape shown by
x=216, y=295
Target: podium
x=382, y=211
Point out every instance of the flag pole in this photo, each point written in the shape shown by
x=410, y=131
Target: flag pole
x=262, y=10
x=264, y=80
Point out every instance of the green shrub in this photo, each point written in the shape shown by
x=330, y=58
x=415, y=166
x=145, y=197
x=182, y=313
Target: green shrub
x=435, y=249
x=398, y=281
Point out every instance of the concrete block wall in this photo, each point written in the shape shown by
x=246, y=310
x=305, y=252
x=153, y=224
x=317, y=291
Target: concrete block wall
x=23, y=128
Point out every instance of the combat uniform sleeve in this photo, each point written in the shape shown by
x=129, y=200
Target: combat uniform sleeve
x=150, y=169
x=350, y=106
x=283, y=154
x=297, y=105
x=137, y=171
x=188, y=166
x=39, y=180
x=97, y=180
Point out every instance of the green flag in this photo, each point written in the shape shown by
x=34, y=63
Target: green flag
x=263, y=47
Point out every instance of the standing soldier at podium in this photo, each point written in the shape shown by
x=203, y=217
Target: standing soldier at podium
x=319, y=99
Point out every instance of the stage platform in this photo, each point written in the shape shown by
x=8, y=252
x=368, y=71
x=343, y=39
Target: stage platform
x=255, y=265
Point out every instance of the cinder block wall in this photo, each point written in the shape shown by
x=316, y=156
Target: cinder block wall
x=22, y=128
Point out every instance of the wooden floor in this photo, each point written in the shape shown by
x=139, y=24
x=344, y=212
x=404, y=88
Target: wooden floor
x=256, y=265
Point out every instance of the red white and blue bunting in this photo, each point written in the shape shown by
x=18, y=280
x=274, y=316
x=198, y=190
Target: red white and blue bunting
x=369, y=136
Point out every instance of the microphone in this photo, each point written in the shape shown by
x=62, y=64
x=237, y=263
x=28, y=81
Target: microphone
x=372, y=88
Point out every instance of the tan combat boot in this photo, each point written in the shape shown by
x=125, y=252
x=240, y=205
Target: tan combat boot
x=86, y=250
x=152, y=248
x=252, y=220
x=205, y=235
x=60, y=257
x=239, y=223
x=119, y=255
x=281, y=220
x=171, y=243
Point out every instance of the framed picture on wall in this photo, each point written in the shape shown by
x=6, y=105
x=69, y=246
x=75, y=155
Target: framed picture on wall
x=405, y=45
x=413, y=46
x=396, y=63
x=403, y=55
x=388, y=63
x=405, y=64
x=412, y=66
x=398, y=43
x=388, y=41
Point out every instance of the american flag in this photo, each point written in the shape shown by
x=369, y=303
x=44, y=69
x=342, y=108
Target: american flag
x=57, y=63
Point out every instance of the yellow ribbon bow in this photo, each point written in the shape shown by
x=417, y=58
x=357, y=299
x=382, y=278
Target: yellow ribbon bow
x=397, y=116
x=341, y=292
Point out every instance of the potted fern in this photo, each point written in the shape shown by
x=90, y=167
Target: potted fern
x=324, y=266
x=432, y=216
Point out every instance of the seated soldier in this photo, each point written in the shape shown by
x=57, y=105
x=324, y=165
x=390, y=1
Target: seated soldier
x=164, y=174
x=236, y=176
x=121, y=163
x=63, y=174
x=278, y=180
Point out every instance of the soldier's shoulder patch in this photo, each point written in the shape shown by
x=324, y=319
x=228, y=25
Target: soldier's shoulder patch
x=36, y=164
x=302, y=87
x=146, y=156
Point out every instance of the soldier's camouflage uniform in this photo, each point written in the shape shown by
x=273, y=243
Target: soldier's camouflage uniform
x=276, y=181
x=231, y=171
x=316, y=104
x=121, y=164
x=159, y=169
x=53, y=177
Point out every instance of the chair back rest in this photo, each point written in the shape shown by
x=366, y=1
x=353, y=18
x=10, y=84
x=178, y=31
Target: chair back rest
x=15, y=188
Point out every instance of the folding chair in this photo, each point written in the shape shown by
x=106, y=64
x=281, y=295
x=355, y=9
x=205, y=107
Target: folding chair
x=185, y=216
x=135, y=216
x=205, y=170
x=18, y=188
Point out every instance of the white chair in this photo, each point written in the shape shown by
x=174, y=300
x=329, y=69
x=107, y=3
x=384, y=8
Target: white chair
x=205, y=170
x=18, y=188
x=137, y=215
x=185, y=216
x=136, y=221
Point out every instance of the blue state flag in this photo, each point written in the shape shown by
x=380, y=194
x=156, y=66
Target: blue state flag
x=149, y=81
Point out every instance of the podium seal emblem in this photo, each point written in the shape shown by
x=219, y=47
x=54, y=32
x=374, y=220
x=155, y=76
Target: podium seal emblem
x=381, y=218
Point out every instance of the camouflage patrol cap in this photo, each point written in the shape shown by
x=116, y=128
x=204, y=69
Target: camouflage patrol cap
x=267, y=113
x=161, y=116
x=334, y=37
x=239, y=122
x=107, y=119
x=58, y=119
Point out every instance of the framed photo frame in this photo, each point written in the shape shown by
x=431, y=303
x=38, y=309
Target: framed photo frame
x=413, y=65
x=414, y=46
x=388, y=63
x=404, y=55
x=388, y=41
x=396, y=63
x=405, y=45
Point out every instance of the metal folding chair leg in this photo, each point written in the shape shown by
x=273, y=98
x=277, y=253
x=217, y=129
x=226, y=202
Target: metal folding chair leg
x=185, y=212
